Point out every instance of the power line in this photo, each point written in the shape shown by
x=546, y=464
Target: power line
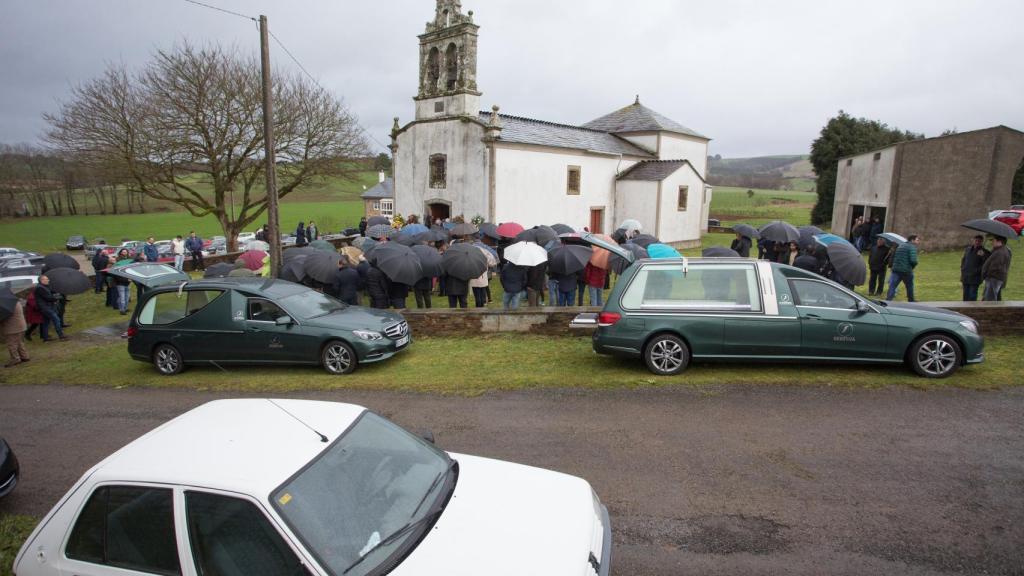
x=197, y=3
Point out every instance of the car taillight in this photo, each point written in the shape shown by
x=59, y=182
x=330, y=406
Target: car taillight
x=608, y=318
x=132, y=331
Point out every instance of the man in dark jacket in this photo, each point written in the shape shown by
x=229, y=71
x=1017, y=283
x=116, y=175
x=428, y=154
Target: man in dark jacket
x=741, y=245
x=458, y=292
x=397, y=293
x=346, y=283
x=513, y=282
x=878, y=260
x=378, y=288
x=995, y=270
x=903, y=263
x=362, y=226
x=194, y=246
x=46, y=301
x=973, y=259
x=150, y=251
x=876, y=229
x=535, y=282
x=300, y=235
x=100, y=261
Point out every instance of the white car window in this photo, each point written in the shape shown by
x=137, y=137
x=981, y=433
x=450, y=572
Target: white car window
x=821, y=295
x=170, y=307
x=699, y=287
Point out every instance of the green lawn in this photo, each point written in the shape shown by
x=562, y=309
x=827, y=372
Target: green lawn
x=734, y=205
x=14, y=530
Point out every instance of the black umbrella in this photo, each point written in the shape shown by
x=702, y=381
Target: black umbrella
x=432, y=235
x=430, y=260
x=242, y=273
x=618, y=264
x=562, y=229
x=59, y=260
x=293, y=270
x=846, y=260
x=746, y=230
x=407, y=239
x=993, y=227
x=350, y=231
x=807, y=234
x=302, y=251
x=219, y=270
x=321, y=265
x=779, y=231
x=540, y=235
x=7, y=303
x=569, y=259
x=68, y=281
x=375, y=220
x=464, y=229
x=397, y=262
x=719, y=252
x=464, y=261
x=644, y=240
x=488, y=229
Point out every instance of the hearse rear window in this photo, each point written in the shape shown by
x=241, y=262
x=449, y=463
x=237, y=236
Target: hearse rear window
x=724, y=287
x=169, y=307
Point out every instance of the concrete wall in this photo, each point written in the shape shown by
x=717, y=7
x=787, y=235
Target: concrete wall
x=862, y=181
x=645, y=140
x=681, y=227
x=467, y=178
x=637, y=199
x=679, y=147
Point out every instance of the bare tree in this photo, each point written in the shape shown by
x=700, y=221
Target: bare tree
x=198, y=110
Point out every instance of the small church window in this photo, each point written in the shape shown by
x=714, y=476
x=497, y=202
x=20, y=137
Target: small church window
x=573, y=181
x=438, y=171
x=451, y=60
x=433, y=68
x=684, y=193
x=878, y=155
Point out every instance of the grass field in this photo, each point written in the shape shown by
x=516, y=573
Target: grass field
x=734, y=205
x=14, y=530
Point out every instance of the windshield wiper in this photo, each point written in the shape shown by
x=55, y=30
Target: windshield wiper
x=412, y=523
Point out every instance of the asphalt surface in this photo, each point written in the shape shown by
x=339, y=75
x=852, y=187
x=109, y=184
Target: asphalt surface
x=729, y=480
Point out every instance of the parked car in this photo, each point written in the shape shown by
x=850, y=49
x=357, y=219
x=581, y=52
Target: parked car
x=222, y=321
x=671, y=311
x=20, y=267
x=75, y=242
x=302, y=488
x=9, y=469
x=90, y=250
x=6, y=251
x=132, y=246
x=1013, y=218
x=244, y=237
x=714, y=222
x=19, y=283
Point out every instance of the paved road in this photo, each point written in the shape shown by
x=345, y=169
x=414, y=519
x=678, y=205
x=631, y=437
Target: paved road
x=714, y=481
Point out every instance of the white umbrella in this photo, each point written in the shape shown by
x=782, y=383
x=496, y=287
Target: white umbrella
x=631, y=225
x=526, y=254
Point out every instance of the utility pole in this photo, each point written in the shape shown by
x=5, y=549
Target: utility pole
x=268, y=142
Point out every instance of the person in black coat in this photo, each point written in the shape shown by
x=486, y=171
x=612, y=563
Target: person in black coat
x=878, y=259
x=378, y=288
x=362, y=226
x=513, y=281
x=806, y=262
x=363, y=268
x=300, y=234
x=458, y=292
x=741, y=245
x=536, y=280
x=397, y=293
x=100, y=261
x=46, y=302
x=346, y=283
x=422, y=290
x=971, y=263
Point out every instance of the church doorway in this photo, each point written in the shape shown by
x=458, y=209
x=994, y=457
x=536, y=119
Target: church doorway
x=597, y=220
x=439, y=211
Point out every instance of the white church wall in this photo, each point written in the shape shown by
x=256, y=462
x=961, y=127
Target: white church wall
x=647, y=140
x=678, y=147
x=637, y=199
x=681, y=226
x=466, y=183
x=531, y=186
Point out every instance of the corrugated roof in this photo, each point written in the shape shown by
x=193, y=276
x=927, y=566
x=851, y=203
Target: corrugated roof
x=638, y=118
x=529, y=131
x=385, y=189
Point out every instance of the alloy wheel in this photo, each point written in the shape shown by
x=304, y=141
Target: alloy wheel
x=936, y=357
x=666, y=355
x=337, y=358
x=167, y=360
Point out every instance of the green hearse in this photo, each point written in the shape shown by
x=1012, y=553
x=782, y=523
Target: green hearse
x=671, y=311
x=230, y=321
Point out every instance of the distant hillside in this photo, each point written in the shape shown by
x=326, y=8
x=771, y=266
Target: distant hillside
x=769, y=172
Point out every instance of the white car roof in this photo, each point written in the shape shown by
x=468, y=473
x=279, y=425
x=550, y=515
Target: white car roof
x=250, y=446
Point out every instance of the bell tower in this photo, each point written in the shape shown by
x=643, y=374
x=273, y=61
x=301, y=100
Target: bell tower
x=448, y=64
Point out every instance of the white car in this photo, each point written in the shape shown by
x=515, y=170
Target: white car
x=245, y=237
x=298, y=487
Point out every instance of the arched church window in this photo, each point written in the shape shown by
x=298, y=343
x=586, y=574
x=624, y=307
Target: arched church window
x=451, y=60
x=447, y=19
x=433, y=68
x=438, y=171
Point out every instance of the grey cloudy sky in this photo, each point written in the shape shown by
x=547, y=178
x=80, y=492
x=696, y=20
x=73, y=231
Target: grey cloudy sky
x=758, y=77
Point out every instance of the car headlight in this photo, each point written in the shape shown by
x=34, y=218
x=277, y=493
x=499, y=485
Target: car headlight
x=970, y=326
x=367, y=334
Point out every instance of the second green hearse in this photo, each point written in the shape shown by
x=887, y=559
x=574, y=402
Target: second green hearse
x=671, y=311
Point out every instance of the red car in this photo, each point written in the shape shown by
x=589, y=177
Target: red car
x=1013, y=218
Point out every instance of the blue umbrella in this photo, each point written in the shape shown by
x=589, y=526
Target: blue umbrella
x=416, y=228
x=892, y=238
x=483, y=246
x=662, y=251
x=829, y=239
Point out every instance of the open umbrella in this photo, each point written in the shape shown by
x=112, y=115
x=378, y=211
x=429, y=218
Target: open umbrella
x=413, y=229
x=321, y=265
x=8, y=301
x=490, y=230
x=398, y=262
x=486, y=248
x=807, y=234
x=352, y=253
x=464, y=261
x=68, y=281
x=407, y=239
x=644, y=240
x=509, y=229
x=539, y=234
x=464, y=229
x=242, y=273
x=526, y=254
x=845, y=258
x=618, y=264
x=302, y=251
x=218, y=270
x=294, y=270
x=322, y=245
x=377, y=220
x=829, y=239
x=562, y=228
x=363, y=243
x=569, y=259
x=631, y=225
x=253, y=259
x=993, y=227
x=430, y=260
x=719, y=252
x=662, y=251
x=432, y=235
x=746, y=230
x=892, y=238
x=59, y=260
x=257, y=245
x=779, y=231
x=600, y=256
x=378, y=231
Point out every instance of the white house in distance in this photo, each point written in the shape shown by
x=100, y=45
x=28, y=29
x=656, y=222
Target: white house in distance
x=455, y=160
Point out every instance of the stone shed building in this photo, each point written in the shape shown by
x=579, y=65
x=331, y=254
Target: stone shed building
x=930, y=186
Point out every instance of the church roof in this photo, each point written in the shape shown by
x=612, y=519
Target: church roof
x=655, y=170
x=638, y=118
x=385, y=189
x=529, y=131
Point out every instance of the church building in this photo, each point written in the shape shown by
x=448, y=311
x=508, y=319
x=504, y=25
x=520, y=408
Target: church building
x=453, y=159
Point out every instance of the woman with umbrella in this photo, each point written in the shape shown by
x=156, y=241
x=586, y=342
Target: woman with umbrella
x=744, y=233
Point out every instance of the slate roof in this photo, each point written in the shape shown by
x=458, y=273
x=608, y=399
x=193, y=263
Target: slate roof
x=638, y=118
x=655, y=170
x=385, y=189
x=529, y=131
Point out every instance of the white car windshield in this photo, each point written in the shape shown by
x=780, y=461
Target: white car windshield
x=310, y=304
x=364, y=497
